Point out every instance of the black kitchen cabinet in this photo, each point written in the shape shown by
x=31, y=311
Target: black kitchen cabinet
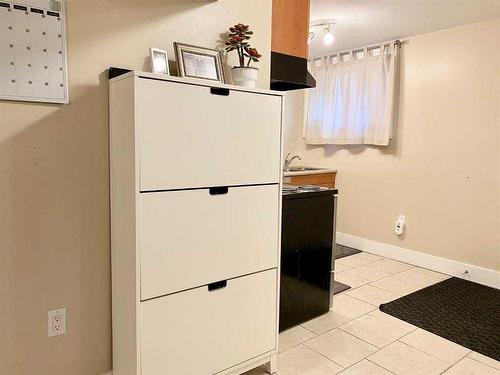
x=306, y=256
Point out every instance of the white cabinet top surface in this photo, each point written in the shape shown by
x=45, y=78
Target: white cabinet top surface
x=193, y=81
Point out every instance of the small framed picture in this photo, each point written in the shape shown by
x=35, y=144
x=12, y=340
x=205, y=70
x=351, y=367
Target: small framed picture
x=159, y=60
x=199, y=62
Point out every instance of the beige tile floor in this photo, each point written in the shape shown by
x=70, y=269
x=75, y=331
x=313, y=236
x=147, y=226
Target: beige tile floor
x=356, y=338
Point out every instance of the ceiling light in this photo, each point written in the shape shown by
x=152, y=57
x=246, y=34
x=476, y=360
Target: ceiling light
x=328, y=38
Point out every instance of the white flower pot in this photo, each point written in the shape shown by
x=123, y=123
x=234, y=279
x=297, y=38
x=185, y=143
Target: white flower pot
x=244, y=76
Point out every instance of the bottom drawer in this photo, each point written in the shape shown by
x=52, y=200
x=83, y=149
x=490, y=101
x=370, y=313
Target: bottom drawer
x=208, y=329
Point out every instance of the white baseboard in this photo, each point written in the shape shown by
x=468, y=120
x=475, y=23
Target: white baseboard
x=106, y=373
x=477, y=274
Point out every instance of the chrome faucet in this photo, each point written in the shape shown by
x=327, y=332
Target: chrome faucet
x=288, y=160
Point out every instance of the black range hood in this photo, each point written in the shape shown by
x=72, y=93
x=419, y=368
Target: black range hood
x=290, y=73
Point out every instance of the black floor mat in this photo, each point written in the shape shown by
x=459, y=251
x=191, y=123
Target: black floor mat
x=458, y=310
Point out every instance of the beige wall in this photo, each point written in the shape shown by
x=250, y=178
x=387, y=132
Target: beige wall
x=443, y=171
x=54, y=206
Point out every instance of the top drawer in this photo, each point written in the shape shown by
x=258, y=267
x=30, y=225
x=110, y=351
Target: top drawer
x=189, y=137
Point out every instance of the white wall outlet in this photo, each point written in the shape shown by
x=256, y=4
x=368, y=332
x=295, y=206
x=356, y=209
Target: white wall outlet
x=399, y=228
x=57, y=322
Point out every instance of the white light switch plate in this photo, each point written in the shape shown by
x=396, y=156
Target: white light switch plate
x=57, y=322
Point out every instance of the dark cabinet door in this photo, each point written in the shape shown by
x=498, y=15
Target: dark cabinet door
x=316, y=265
x=306, y=257
x=293, y=286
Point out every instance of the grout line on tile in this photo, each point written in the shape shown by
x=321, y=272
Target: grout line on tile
x=475, y=360
x=404, y=281
x=362, y=359
x=413, y=330
x=454, y=363
x=363, y=301
x=303, y=342
x=387, y=291
x=414, y=327
x=307, y=329
x=469, y=356
x=300, y=343
x=447, y=368
x=331, y=329
x=385, y=277
x=366, y=342
x=291, y=347
x=360, y=338
x=430, y=355
x=359, y=277
x=419, y=285
x=376, y=364
x=397, y=273
x=338, y=364
x=382, y=290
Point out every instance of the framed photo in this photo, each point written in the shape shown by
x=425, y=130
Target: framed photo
x=199, y=62
x=159, y=60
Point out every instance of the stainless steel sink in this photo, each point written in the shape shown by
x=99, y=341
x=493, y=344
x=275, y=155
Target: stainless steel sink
x=289, y=188
x=301, y=168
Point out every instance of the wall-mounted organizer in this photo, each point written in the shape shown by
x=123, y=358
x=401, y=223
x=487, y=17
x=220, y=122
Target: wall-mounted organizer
x=33, y=64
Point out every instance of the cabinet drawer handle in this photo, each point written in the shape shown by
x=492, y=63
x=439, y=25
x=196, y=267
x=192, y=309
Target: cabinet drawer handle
x=217, y=285
x=218, y=190
x=219, y=91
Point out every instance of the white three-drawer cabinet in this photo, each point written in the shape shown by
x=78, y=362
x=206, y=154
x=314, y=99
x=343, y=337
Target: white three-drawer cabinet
x=195, y=173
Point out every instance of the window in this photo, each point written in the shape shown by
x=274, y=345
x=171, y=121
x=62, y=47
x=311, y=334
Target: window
x=353, y=101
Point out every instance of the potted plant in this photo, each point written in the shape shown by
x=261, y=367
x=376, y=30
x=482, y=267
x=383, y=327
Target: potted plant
x=244, y=74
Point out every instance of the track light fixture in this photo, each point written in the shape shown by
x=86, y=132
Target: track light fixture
x=326, y=26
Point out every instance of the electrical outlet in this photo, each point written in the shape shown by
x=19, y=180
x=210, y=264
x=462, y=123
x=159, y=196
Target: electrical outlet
x=57, y=322
x=399, y=227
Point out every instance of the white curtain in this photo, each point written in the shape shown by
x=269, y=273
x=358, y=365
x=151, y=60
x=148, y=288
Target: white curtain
x=353, y=101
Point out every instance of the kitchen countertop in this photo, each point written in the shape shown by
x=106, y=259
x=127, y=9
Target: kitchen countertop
x=303, y=173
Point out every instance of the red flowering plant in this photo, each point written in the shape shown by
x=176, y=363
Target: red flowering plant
x=238, y=40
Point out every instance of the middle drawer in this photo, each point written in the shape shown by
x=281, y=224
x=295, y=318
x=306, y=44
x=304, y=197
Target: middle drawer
x=195, y=237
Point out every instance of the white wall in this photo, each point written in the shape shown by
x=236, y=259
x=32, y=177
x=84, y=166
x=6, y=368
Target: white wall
x=54, y=206
x=443, y=170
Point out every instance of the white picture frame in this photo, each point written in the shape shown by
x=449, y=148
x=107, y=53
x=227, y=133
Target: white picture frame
x=159, y=61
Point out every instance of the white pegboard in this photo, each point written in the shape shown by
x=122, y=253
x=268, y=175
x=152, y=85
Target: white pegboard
x=33, y=64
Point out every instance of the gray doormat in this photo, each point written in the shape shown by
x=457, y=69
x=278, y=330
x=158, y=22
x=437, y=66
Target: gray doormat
x=344, y=251
x=338, y=287
x=458, y=310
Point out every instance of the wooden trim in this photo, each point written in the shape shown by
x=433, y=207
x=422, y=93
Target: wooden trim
x=321, y=179
x=290, y=27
